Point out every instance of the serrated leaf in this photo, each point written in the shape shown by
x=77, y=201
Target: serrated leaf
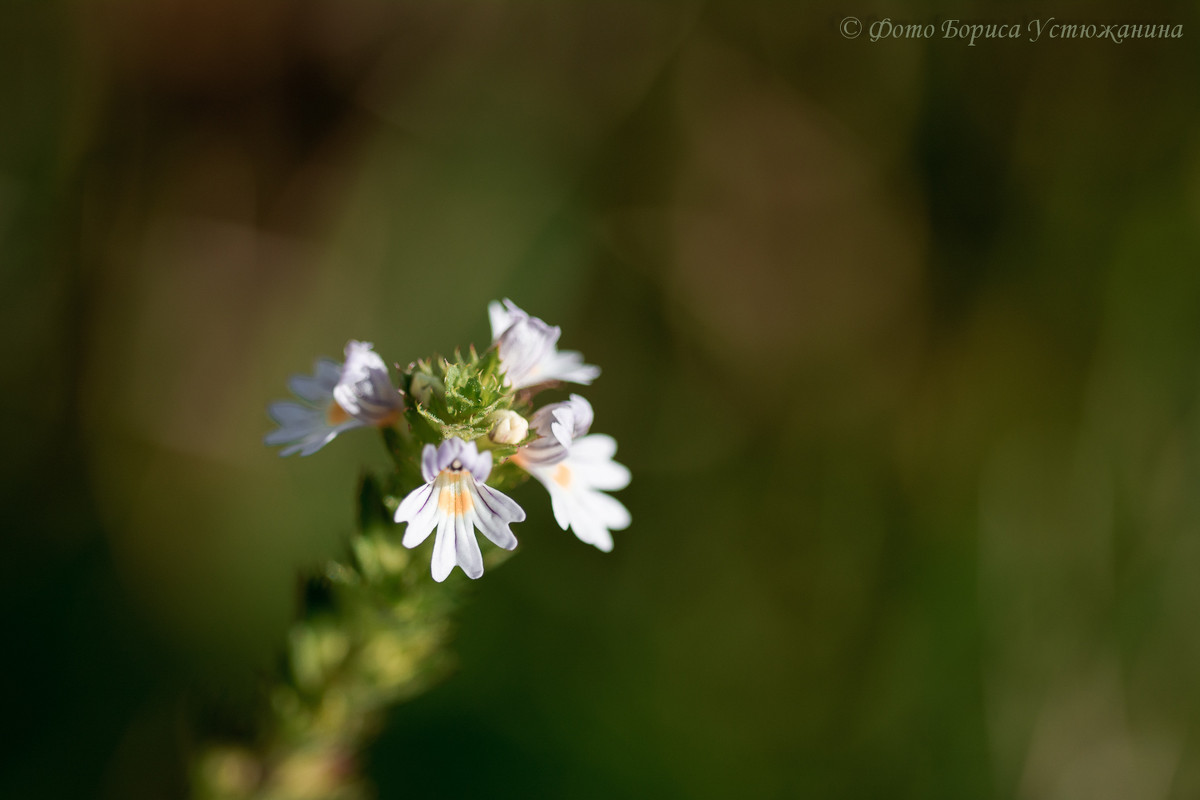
x=429, y=415
x=473, y=390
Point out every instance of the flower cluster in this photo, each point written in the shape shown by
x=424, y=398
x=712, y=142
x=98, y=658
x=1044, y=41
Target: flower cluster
x=465, y=422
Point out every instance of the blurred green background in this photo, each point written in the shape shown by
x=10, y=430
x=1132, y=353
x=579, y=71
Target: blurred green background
x=901, y=341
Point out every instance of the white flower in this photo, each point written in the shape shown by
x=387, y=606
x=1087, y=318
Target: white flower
x=557, y=425
x=576, y=470
x=528, y=349
x=335, y=398
x=307, y=426
x=364, y=390
x=454, y=500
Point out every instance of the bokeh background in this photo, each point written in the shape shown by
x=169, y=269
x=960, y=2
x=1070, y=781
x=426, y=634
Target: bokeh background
x=900, y=340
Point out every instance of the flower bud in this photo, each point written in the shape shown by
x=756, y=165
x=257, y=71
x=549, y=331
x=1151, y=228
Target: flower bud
x=424, y=387
x=508, y=427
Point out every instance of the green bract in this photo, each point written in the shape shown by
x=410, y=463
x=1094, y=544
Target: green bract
x=458, y=398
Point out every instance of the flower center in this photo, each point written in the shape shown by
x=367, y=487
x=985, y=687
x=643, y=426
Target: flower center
x=456, y=465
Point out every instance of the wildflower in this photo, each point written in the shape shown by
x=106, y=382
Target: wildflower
x=455, y=499
x=557, y=425
x=508, y=427
x=528, y=349
x=364, y=390
x=309, y=425
x=336, y=398
x=576, y=470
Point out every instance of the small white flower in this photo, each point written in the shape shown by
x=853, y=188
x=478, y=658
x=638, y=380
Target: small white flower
x=454, y=500
x=309, y=425
x=557, y=425
x=335, y=398
x=364, y=390
x=529, y=352
x=576, y=470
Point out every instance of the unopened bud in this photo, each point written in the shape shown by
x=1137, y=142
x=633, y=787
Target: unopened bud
x=424, y=387
x=508, y=427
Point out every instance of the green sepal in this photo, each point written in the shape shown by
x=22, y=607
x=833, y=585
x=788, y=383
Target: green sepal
x=456, y=398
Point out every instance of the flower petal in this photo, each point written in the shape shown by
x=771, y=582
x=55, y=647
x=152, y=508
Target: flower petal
x=480, y=465
x=493, y=512
x=504, y=506
x=327, y=372
x=315, y=443
x=295, y=448
x=607, y=510
x=444, y=555
x=567, y=365
x=467, y=547
x=591, y=457
x=447, y=451
x=429, y=461
x=499, y=317
x=419, y=510
x=589, y=531
x=308, y=387
x=560, y=504
x=414, y=502
x=287, y=413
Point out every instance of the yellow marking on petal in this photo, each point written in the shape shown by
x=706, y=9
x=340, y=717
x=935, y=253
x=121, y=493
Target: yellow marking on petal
x=335, y=414
x=453, y=499
x=389, y=420
x=446, y=500
x=562, y=476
